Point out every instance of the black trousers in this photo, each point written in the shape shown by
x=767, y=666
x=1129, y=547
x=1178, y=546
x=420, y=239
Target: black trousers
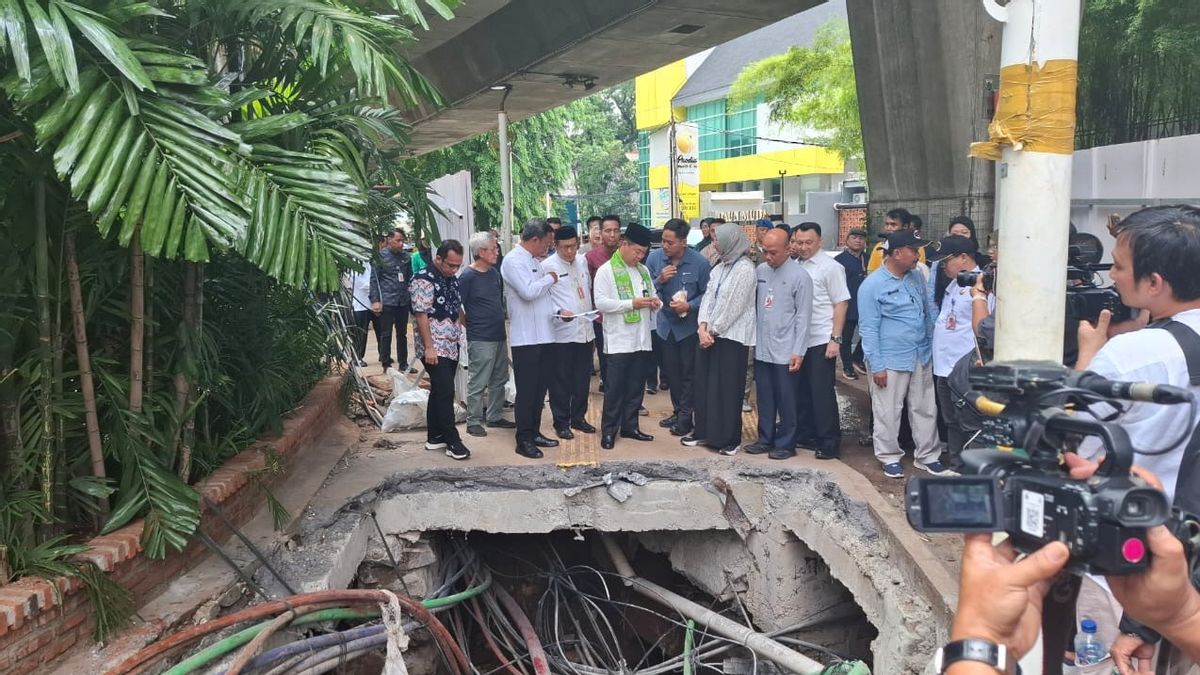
x=532, y=375
x=656, y=371
x=679, y=363
x=818, y=422
x=601, y=357
x=720, y=384
x=623, y=392
x=571, y=363
x=393, y=319
x=850, y=355
x=439, y=414
x=956, y=433
x=362, y=319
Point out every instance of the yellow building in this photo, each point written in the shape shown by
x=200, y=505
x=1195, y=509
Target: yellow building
x=747, y=164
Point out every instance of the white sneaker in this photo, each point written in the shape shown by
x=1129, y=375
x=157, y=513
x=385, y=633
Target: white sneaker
x=431, y=445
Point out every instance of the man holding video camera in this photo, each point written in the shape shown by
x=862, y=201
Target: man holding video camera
x=1154, y=271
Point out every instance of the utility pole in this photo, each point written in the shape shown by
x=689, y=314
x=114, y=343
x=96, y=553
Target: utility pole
x=1032, y=140
x=674, y=170
x=506, y=216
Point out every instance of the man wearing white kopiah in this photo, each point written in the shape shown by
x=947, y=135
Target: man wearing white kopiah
x=625, y=295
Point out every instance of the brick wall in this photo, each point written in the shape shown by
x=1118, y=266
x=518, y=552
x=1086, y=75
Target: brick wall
x=850, y=217
x=37, y=624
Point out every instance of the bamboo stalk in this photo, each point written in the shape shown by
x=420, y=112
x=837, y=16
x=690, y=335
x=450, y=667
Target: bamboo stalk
x=83, y=357
x=137, y=321
x=187, y=352
x=41, y=256
x=149, y=273
x=5, y=570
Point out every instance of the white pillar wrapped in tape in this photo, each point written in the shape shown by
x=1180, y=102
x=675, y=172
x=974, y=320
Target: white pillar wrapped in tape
x=1031, y=139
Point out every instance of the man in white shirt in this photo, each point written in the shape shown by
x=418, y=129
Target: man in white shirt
x=571, y=360
x=953, y=337
x=1154, y=270
x=359, y=285
x=625, y=296
x=819, y=425
x=530, y=311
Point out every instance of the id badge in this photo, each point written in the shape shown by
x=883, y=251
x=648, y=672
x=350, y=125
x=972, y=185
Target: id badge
x=400, y=276
x=579, y=291
x=769, y=302
x=951, y=322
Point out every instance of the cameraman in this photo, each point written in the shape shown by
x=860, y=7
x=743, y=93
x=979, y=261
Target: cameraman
x=1154, y=271
x=1000, y=599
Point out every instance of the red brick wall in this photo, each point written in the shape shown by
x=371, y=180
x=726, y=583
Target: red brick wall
x=38, y=625
x=849, y=218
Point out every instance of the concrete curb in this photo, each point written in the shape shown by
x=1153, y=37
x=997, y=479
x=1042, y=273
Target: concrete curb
x=42, y=619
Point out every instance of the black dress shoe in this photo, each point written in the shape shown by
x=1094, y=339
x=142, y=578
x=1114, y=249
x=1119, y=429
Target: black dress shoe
x=502, y=424
x=543, y=442
x=607, y=441
x=564, y=433
x=668, y=422
x=529, y=450
x=637, y=436
x=584, y=427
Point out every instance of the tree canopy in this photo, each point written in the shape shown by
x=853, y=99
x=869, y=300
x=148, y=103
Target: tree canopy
x=812, y=88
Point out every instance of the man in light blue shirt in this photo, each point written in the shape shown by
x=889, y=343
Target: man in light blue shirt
x=895, y=319
x=680, y=278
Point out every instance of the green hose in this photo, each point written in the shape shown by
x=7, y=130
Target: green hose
x=688, y=643
x=240, y=638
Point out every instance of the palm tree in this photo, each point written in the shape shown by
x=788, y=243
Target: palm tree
x=191, y=131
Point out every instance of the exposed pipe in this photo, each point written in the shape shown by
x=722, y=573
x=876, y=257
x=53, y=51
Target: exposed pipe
x=536, y=653
x=754, y=641
x=506, y=214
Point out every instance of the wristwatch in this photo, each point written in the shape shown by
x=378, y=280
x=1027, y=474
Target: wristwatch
x=837, y=339
x=981, y=651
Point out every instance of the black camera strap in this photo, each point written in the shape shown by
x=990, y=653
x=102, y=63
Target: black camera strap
x=1188, y=341
x=1189, y=468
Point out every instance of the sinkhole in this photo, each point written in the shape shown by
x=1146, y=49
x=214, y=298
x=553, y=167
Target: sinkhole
x=599, y=569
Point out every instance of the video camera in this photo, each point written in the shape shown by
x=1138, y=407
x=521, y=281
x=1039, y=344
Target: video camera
x=1086, y=298
x=1018, y=486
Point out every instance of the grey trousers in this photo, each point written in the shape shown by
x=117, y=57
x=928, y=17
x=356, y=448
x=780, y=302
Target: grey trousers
x=487, y=368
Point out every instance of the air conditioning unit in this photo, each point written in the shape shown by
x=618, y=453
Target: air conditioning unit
x=858, y=198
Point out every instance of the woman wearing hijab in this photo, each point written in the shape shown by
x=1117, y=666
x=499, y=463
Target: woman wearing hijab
x=726, y=334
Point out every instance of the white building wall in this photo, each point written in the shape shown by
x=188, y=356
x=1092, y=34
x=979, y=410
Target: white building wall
x=1120, y=179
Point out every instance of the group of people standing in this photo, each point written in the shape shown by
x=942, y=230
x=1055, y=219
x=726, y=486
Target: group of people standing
x=718, y=319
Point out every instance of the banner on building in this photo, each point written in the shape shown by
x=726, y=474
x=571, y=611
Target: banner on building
x=687, y=169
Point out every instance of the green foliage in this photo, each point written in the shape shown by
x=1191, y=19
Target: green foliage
x=583, y=144
x=270, y=169
x=812, y=88
x=1139, y=71
x=248, y=135
x=602, y=132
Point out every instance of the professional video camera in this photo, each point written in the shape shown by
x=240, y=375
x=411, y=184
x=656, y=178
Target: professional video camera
x=1086, y=298
x=1018, y=485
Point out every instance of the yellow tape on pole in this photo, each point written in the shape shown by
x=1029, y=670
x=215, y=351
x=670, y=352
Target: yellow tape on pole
x=1035, y=111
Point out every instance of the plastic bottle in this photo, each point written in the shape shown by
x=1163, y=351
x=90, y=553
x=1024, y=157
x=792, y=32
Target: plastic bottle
x=1088, y=649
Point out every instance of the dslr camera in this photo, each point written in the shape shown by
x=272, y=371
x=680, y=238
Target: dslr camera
x=1017, y=485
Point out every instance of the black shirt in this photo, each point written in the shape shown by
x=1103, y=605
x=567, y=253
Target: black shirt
x=482, y=299
x=856, y=271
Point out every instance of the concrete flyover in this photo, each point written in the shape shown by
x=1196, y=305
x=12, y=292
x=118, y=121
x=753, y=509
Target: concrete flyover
x=924, y=69
x=534, y=44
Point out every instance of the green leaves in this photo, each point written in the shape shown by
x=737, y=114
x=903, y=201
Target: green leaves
x=56, y=42
x=113, y=48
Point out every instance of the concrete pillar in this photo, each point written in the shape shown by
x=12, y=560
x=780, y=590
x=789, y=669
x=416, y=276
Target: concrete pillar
x=1034, y=131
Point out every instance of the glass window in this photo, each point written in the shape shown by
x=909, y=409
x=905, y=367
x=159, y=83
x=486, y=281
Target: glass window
x=709, y=119
x=742, y=127
x=644, y=176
